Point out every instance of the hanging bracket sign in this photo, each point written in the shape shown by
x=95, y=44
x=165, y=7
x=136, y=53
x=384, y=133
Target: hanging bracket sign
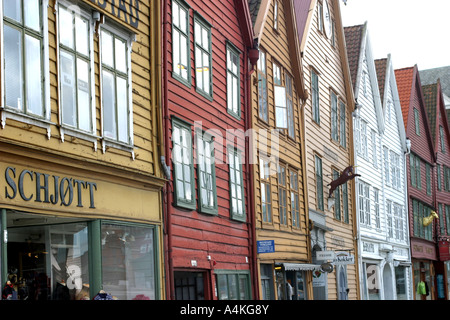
x=343, y=258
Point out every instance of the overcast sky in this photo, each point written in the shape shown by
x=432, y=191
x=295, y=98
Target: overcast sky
x=412, y=31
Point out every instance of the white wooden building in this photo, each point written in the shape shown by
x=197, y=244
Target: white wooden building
x=380, y=147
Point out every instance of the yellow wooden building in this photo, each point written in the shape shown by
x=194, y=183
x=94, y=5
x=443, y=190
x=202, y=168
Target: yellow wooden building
x=277, y=97
x=329, y=147
x=81, y=181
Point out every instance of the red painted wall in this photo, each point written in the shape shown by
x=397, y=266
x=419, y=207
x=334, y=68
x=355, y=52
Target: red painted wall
x=192, y=235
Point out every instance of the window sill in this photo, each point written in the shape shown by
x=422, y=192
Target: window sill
x=108, y=143
x=83, y=135
x=25, y=118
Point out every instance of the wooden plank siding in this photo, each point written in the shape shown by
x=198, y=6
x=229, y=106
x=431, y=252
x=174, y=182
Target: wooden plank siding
x=195, y=236
x=291, y=243
x=329, y=62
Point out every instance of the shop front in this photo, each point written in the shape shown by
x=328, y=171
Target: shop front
x=424, y=257
x=76, y=234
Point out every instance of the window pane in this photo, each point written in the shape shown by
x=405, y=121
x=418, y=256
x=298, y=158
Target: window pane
x=32, y=14
x=82, y=39
x=68, y=97
x=13, y=9
x=65, y=28
x=121, y=55
x=128, y=264
x=122, y=109
x=33, y=75
x=109, y=101
x=13, y=68
x=54, y=267
x=84, y=110
x=107, y=49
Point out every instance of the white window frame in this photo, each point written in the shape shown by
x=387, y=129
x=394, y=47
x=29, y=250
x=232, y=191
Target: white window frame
x=11, y=113
x=73, y=131
x=129, y=38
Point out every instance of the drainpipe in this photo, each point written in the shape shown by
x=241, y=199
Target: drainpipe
x=167, y=197
x=251, y=55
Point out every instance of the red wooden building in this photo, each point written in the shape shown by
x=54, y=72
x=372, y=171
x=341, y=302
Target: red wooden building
x=208, y=230
x=437, y=118
x=420, y=172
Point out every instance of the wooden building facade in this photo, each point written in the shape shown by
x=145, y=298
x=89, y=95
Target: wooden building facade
x=329, y=146
x=81, y=203
x=277, y=99
x=420, y=172
x=437, y=119
x=208, y=234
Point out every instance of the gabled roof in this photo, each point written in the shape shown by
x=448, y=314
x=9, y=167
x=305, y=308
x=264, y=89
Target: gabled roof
x=408, y=82
x=434, y=104
x=381, y=66
x=404, y=79
x=430, y=98
x=353, y=39
x=304, y=10
x=386, y=80
x=359, y=47
x=258, y=11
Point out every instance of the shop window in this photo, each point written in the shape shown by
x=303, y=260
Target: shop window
x=401, y=279
x=76, y=68
x=48, y=262
x=25, y=62
x=233, y=285
x=116, y=85
x=372, y=281
x=189, y=286
x=128, y=261
x=267, y=282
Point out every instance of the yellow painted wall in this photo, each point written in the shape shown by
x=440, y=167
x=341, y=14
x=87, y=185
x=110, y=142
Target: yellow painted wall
x=291, y=243
x=328, y=63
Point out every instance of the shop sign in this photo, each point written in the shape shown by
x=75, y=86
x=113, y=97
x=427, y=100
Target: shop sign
x=444, y=250
x=119, y=9
x=265, y=246
x=343, y=258
x=422, y=250
x=325, y=255
x=51, y=189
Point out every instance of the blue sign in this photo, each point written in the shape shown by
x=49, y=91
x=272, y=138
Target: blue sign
x=265, y=246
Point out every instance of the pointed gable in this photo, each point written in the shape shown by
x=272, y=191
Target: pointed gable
x=380, y=66
x=404, y=79
x=430, y=98
x=353, y=39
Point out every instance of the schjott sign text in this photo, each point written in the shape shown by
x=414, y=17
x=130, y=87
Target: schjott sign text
x=52, y=189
